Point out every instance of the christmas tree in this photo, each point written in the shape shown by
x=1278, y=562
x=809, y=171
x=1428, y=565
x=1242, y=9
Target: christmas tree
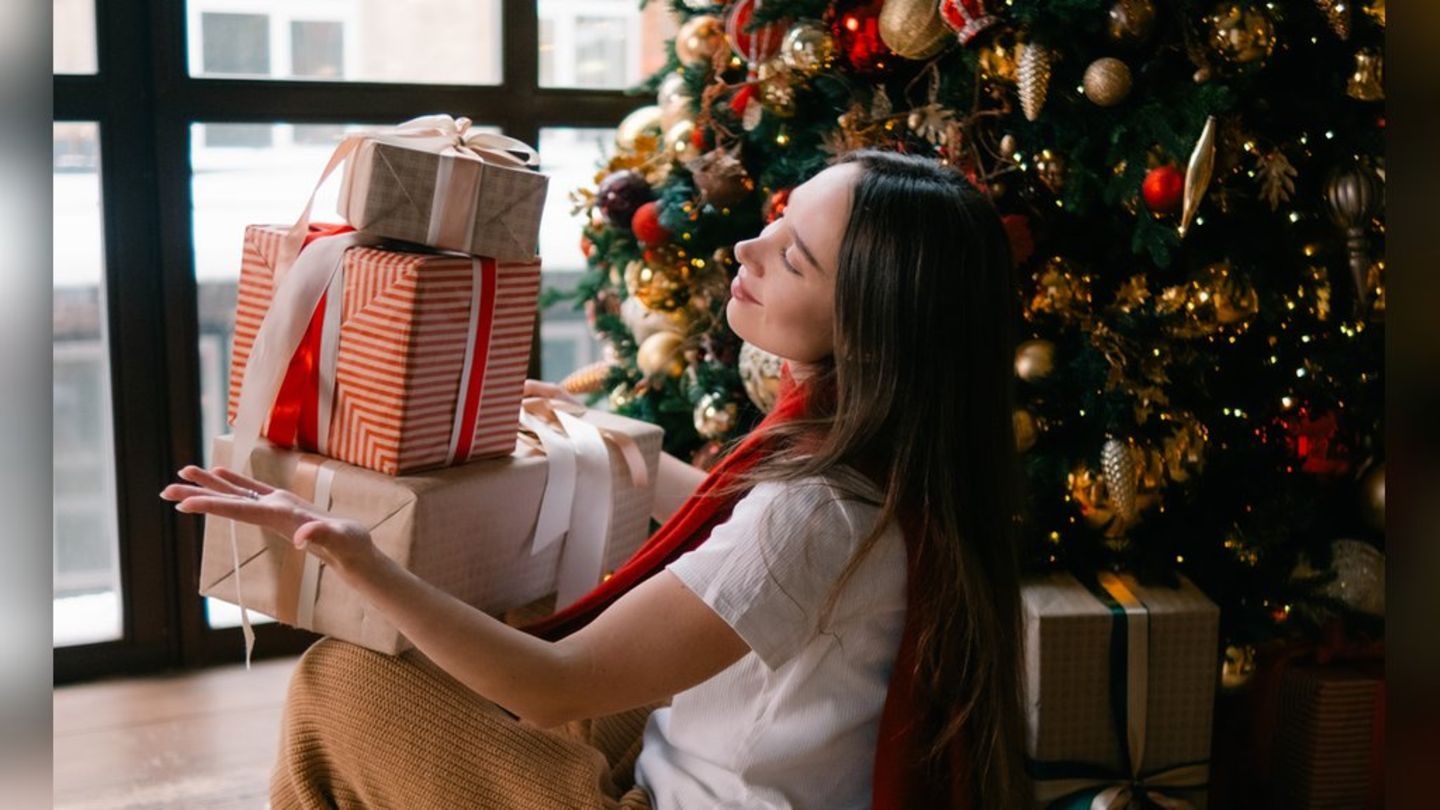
x=1193, y=193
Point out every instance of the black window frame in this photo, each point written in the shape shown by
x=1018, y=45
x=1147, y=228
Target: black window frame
x=144, y=101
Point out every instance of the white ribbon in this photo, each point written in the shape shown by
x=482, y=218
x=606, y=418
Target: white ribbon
x=310, y=579
x=578, y=502
x=280, y=333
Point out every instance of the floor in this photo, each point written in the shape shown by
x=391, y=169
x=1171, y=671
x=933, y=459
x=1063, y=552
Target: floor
x=196, y=740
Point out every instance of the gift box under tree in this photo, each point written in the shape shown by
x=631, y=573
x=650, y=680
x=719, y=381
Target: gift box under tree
x=411, y=361
x=1120, y=685
x=550, y=518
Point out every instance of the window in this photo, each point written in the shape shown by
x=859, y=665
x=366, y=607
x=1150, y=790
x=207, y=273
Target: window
x=74, y=37
x=246, y=102
x=418, y=41
x=87, y=586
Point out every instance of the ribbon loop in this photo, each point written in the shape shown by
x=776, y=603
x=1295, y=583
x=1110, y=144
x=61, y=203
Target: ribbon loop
x=577, y=502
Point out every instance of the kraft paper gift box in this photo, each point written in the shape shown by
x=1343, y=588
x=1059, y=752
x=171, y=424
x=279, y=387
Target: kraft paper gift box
x=1120, y=686
x=411, y=360
x=1330, y=736
x=434, y=181
x=476, y=531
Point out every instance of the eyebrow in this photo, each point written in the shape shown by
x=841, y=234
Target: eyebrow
x=804, y=249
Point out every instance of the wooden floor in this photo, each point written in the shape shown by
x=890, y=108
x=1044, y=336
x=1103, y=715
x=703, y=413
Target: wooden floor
x=198, y=740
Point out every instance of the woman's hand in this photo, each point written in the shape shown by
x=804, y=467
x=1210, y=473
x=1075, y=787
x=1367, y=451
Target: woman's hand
x=338, y=542
x=536, y=388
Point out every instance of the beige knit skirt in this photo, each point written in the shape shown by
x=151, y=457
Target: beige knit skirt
x=366, y=730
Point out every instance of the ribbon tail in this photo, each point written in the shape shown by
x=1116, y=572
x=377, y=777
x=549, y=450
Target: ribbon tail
x=583, y=558
x=245, y=627
x=557, y=503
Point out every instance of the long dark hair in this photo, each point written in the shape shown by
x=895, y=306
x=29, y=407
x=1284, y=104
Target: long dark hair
x=918, y=396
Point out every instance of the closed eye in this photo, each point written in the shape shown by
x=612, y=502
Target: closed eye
x=788, y=265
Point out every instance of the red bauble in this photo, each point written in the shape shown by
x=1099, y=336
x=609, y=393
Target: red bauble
x=1163, y=189
x=775, y=205
x=857, y=33
x=646, y=225
x=586, y=246
x=752, y=46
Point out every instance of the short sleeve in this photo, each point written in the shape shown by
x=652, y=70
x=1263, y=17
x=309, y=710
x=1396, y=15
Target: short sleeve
x=768, y=569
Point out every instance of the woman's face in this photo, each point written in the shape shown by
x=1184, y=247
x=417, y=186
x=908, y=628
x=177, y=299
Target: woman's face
x=783, y=298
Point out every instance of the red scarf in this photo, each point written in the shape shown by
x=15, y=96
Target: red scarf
x=898, y=784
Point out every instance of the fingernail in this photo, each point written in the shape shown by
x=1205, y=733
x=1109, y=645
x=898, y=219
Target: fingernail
x=301, y=544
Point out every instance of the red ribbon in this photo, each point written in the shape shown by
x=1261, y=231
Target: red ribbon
x=295, y=417
x=470, y=403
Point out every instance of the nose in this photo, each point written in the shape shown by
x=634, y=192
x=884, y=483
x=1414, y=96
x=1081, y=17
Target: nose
x=743, y=251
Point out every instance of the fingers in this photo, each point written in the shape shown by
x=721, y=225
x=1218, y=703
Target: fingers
x=537, y=388
x=267, y=514
x=179, y=492
x=206, y=478
x=242, y=481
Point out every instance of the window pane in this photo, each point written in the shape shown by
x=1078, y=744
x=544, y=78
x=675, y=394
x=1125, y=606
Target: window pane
x=86, y=526
x=571, y=157
x=418, y=41
x=317, y=49
x=601, y=43
x=74, y=36
x=235, y=44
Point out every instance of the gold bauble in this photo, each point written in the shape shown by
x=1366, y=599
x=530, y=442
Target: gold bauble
x=999, y=59
x=1372, y=497
x=679, y=141
x=1095, y=492
x=1241, y=35
x=913, y=28
x=715, y=415
x=1131, y=21
x=660, y=354
x=1034, y=360
x=1050, y=169
x=1026, y=431
x=1367, y=83
x=1238, y=668
x=674, y=110
x=760, y=372
x=671, y=86
x=1107, y=81
x=643, y=121
x=808, y=49
x=777, y=93
x=660, y=286
x=699, y=38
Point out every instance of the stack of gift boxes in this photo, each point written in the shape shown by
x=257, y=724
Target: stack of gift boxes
x=395, y=399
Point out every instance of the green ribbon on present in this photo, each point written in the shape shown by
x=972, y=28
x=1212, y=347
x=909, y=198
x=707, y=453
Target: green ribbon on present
x=1079, y=785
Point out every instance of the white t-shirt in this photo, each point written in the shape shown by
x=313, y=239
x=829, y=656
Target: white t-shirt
x=794, y=723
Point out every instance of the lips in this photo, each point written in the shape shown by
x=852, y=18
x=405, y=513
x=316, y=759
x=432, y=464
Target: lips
x=738, y=290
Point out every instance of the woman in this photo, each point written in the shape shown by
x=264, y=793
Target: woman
x=877, y=496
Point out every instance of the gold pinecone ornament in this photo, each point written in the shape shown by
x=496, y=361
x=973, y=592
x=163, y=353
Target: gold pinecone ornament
x=1034, y=78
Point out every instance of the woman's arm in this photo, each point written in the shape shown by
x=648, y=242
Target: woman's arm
x=656, y=640
x=676, y=482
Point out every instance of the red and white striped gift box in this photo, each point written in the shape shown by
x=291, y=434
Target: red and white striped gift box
x=419, y=380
